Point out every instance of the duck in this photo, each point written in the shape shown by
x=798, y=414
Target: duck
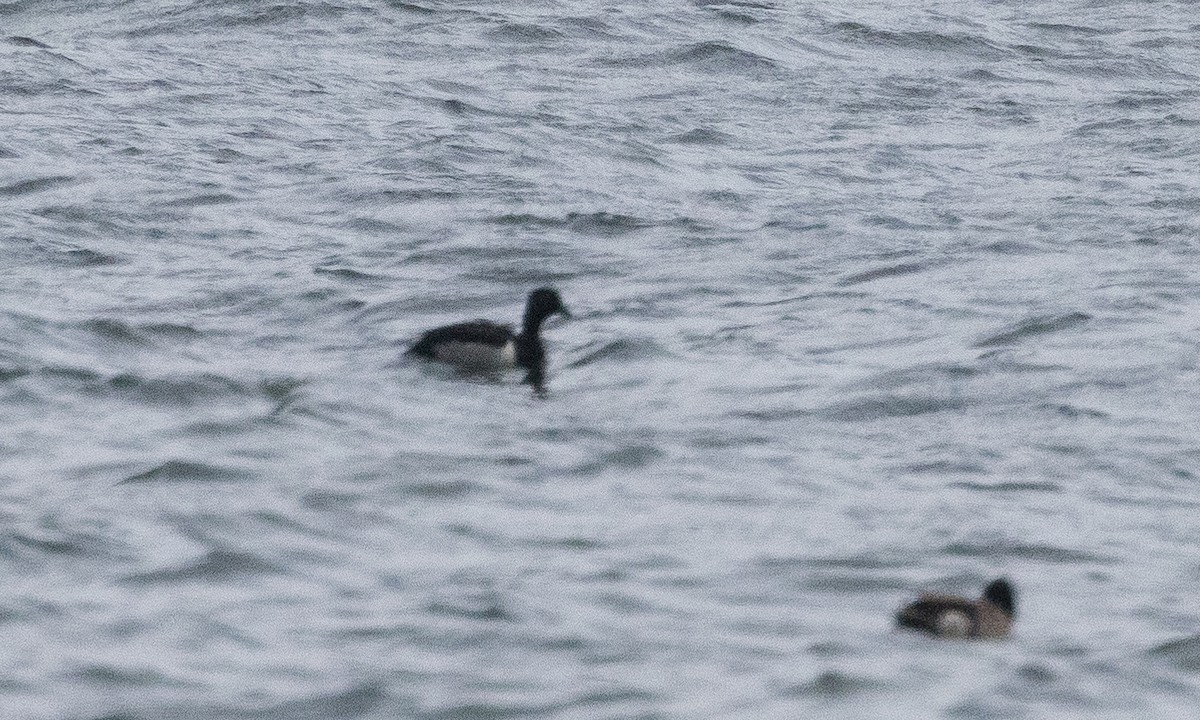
x=482, y=345
x=950, y=616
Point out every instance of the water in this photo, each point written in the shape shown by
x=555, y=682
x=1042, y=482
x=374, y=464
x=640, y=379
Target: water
x=868, y=300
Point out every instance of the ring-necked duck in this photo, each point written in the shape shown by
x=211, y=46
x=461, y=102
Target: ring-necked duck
x=950, y=616
x=484, y=345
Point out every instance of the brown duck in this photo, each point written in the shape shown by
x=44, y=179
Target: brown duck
x=950, y=616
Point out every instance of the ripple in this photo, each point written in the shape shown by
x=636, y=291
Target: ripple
x=281, y=390
x=1074, y=411
x=1068, y=29
x=357, y=701
x=215, y=566
x=1027, y=551
x=50, y=540
x=884, y=272
x=832, y=684
x=201, y=200
x=1009, y=486
x=411, y=7
x=598, y=223
x=72, y=374
x=349, y=274
x=524, y=33
x=1033, y=327
x=731, y=16
x=713, y=55
x=701, y=136
x=113, y=676
x=474, y=603
x=863, y=34
x=1183, y=653
x=629, y=457
x=280, y=15
x=85, y=257
x=891, y=406
x=187, y=471
x=854, y=562
x=48, y=546
x=13, y=373
x=604, y=223
x=1010, y=247
x=113, y=331
x=328, y=501
x=1151, y=99
x=172, y=331
x=527, y=220
x=946, y=467
x=491, y=711
x=621, y=350
x=845, y=583
x=1176, y=203
x=36, y=185
x=442, y=489
x=175, y=390
x=22, y=41
x=613, y=696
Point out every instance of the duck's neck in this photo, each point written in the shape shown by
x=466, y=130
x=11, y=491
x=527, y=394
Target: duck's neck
x=531, y=324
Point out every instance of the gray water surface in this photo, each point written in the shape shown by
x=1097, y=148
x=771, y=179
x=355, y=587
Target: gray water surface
x=868, y=299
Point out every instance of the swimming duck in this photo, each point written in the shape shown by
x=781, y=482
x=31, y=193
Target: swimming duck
x=482, y=345
x=950, y=616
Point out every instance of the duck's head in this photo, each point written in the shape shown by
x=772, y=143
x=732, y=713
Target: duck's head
x=1000, y=593
x=543, y=303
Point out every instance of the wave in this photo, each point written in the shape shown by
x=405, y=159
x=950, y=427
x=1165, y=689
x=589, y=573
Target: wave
x=862, y=34
x=1034, y=327
x=1025, y=551
x=35, y=185
x=884, y=272
x=173, y=471
x=599, y=223
x=214, y=566
x=1183, y=653
x=712, y=55
x=891, y=406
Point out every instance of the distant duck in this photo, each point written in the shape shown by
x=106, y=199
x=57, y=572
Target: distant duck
x=482, y=345
x=950, y=616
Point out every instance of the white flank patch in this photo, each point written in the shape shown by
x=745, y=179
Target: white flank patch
x=954, y=623
x=477, y=355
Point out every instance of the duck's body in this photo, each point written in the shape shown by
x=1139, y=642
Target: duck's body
x=480, y=345
x=951, y=616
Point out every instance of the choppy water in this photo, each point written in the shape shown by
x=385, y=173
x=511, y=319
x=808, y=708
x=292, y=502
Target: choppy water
x=868, y=299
